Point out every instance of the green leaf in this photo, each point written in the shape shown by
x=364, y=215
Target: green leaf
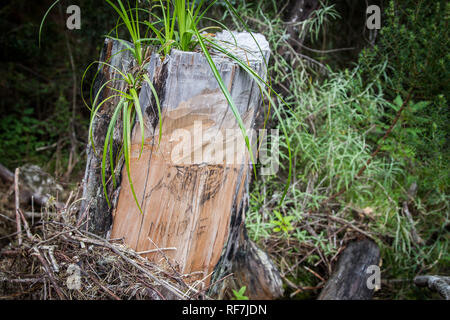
x=127, y=146
x=398, y=102
x=227, y=95
x=43, y=20
x=105, y=148
x=137, y=107
x=262, y=85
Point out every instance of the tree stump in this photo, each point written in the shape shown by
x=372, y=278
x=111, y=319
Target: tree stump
x=349, y=280
x=193, y=185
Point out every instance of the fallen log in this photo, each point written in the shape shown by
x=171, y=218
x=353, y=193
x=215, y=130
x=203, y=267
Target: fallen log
x=349, y=279
x=26, y=194
x=193, y=185
x=5, y=174
x=439, y=284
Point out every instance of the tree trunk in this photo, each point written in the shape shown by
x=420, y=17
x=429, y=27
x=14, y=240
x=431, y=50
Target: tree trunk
x=349, y=280
x=193, y=185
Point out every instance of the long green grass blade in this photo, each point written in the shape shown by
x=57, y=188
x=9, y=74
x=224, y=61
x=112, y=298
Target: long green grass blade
x=43, y=20
x=262, y=84
x=111, y=159
x=122, y=93
x=158, y=105
x=95, y=77
x=234, y=11
x=137, y=107
x=105, y=149
x=91, y=123
x=127, y=147
x=227, y=95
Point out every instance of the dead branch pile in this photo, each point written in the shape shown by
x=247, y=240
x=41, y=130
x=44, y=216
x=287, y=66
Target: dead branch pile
x=58, y=259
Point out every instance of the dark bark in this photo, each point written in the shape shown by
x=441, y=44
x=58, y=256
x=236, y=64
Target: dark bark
x=250, y=266
x=349, y=279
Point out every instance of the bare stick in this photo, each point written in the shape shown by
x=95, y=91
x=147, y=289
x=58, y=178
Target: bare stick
x=414, y=235
x=109, y=292
x=16, y=190
x=49, y=273
x=100, y=241
x=156, y=250
x=25, y=223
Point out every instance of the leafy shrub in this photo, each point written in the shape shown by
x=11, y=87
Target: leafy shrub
x=335, y=123
x=414, y=42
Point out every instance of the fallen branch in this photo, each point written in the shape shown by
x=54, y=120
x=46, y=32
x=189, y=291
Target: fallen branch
x=100, y=241
x=50, y=274
x=439, y=284
x=16, y=190
x=108, y=270
x=26, y=195
x=414, y=235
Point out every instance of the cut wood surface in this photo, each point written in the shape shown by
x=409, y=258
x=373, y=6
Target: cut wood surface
x=193, y=185
x=349, y=279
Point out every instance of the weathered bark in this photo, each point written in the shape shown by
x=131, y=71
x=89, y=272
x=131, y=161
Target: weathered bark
x=349, y=280
x=192, y=202
x=439, y=284
x=250, y=266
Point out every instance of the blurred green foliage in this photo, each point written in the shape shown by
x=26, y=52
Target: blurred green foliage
x=36, y=83
x=415, y=43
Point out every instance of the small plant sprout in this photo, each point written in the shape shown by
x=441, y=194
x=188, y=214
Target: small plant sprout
x=239, y=295
x=282, y=224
